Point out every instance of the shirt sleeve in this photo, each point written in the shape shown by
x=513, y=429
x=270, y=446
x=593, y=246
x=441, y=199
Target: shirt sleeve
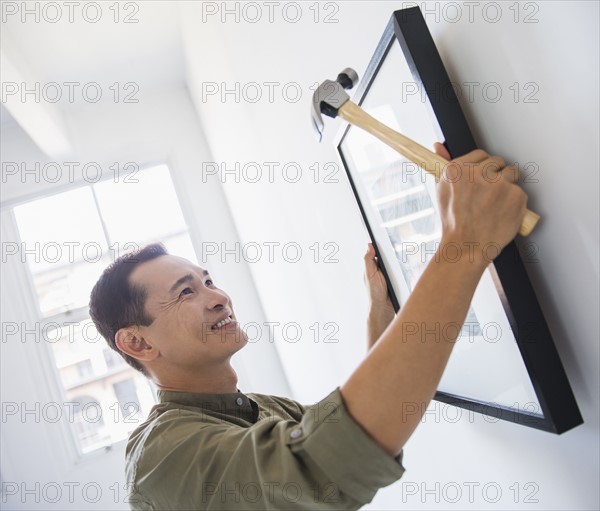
x=326, y=461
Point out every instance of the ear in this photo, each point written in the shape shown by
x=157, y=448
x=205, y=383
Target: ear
x=130, y=341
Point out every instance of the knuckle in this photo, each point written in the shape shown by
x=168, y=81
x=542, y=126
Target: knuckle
x=518, y=195
x=517, y=173
x=479, y=153
x=524, y=197
x=511, y=173
x=473, y=156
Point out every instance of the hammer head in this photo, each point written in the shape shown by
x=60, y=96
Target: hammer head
x=329, y=97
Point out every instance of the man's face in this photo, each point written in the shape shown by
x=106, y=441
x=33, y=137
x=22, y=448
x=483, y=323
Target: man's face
x=187, y=307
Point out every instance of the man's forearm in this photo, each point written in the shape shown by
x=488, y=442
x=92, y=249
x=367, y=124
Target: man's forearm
x=400, y=374
x=390, y=390
x=378, y=320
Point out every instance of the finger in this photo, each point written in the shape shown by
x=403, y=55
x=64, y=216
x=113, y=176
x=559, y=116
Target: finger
x=476, y=156
x=467, y=163
x=495, y=163
x=370, y=254
x=519, y=201
x=440, y=150
x=370, y=263
x=511, y=174
x=490, y=168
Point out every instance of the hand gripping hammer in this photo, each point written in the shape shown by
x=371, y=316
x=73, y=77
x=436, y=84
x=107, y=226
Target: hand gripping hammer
x=331, y=99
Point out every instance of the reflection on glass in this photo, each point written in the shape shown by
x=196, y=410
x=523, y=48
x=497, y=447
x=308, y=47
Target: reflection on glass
x=410, y=219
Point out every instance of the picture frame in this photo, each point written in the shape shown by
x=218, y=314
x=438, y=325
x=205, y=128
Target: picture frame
x=512, y=371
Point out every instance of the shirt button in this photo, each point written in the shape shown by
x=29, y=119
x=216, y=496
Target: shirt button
x=296, y=433
x=239, y=401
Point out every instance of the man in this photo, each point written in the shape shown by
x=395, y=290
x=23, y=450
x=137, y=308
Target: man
x=206, y=445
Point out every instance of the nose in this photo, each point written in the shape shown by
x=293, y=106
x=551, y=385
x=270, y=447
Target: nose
x=217, y=299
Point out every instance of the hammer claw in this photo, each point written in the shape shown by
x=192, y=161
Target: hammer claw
x=329, y=97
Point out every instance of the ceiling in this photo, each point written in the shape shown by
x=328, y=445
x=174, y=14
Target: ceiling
x=148, y=52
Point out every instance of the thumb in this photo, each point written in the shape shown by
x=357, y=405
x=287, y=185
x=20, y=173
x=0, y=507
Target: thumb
x=440, y=150
x=370, y=264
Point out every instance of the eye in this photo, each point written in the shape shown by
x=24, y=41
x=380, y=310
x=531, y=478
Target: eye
x=185, y=291
x=209, y=283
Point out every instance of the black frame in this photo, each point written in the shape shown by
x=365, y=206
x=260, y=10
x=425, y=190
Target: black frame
x=537, y=348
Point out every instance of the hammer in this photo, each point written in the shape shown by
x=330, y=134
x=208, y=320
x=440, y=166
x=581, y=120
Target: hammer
x=331, y=99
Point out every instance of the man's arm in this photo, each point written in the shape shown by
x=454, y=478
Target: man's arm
x=402, y=371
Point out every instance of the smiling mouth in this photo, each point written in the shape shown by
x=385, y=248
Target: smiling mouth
x=222, y=323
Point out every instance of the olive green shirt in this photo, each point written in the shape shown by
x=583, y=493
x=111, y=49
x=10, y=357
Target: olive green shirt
x=253, y=451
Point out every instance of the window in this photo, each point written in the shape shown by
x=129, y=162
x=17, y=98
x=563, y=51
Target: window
x=127, y=397
x=69, y=238
x=85, y=369
x=111, y=358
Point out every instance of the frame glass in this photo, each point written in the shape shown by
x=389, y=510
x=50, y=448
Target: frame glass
x=505, y=363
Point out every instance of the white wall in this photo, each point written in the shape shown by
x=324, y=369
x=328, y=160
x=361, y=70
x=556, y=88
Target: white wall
x=559, y=53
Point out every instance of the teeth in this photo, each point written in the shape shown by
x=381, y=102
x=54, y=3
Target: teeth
x=221, y=323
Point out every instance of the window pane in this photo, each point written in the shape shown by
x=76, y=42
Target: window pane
x=60, y=230
x=144, y=210
x=64, y=246
x=65, y=288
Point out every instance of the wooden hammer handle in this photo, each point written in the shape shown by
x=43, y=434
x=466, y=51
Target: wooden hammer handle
x=423, y=157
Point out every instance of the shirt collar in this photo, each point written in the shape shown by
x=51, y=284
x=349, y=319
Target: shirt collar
x=235, y=404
